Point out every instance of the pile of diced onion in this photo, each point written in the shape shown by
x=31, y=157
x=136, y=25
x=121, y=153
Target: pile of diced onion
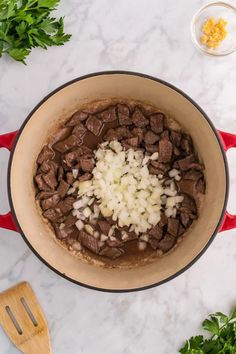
x=123, y=189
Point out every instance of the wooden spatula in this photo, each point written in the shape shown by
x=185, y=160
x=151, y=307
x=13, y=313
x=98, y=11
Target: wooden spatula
x=23, y=320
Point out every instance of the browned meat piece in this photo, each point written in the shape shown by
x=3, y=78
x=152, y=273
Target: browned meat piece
x=129, y=236
x=139, y=132
x=185, y=164
x=118, y=134
x=60, y=173
x=85, y=177
x=70, y=220
x=61, y=134
x=154, y=171
x=87, y=164
x=77, y=118
x=111, y=252
x=114, y=243
x=65, y=205
x=156, y=232
x=177, y=151
x=42, y=185
x=104, y=226
x=189, y=204
x=163, y=167
x=187, y=186
x=63, y=188
x=151, y=138
x=156, y=122
x=186, y=145
x=163, y=221
x=197, y=166
x=79, y=130
x=46, y=154
x=139, y=118
x=185, y=219
x=165, y=150
x=173, y=227
x=53, y=215
x=73, y=157
x=152, y=148
x=109, y=115
x=165, y=135
x=51, y=202
x=68, y=143
x=132, y=142
x=48, y=166
x=153, y=243
x=89, y=241
x=200, y=186
x=45, y=195
x=50, y=179
x=124, y=114
x=193, y=175
x=63, y=233
x=175, y=138
x=94, y=125
x=167, y=243
x=70, y=178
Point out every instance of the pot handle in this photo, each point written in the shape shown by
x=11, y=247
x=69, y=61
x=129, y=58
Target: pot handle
x=7, y=141
x=228, y=141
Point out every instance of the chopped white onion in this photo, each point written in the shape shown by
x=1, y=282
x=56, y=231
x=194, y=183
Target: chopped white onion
x=79, y=224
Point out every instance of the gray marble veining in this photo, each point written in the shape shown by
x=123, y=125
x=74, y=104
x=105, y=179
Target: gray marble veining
x=152, y=37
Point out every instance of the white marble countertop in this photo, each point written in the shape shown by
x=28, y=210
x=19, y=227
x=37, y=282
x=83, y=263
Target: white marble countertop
x=152, y=37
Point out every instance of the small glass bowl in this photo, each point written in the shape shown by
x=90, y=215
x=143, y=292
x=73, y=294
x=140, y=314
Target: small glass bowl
x=217, y=10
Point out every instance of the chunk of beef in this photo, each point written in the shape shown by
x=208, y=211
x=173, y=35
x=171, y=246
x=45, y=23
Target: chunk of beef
x=108, y=115
x=185, y=219
x=162, y=167
x=181, y=230
x=50, y=179
x=85, y=177
x=200, y=186
x=167, y=243
x=165, y=150
x=165, y=135
x=185, y=164
x=60, y=173
x=118, y=134
x=124, y=114
x=46, y=154
x=63, y=188
x=187, y=186
x=70, y=220
x=87, y=164
x=197, y=166
x=151, y=138
x=70, y=178
x=175, y=138
x=50, y=202
x=114, y=243
x=186, y=145
x=72, y=158
x=193, y=175
x=139, y=132
x=66, y=205
x=53, y=215
x=104, y=226
x=152, y=148
x=77, y=118
x=94, y=125
x=67, y=144
x=156, y=122
x=42, y=185
x=89, y=242
x=131, y=142
x=163, y=221
x=176, y=151
x=48, y=166
x=79, y=131
x=156, y=232
x=173, y=227
x=60, y=135
x=153, y=243
x=139, y=119
x=111, y=252
x=189, y=204
x=63, y=233
x=45, y=195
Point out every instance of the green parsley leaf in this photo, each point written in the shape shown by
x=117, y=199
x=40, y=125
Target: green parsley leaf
x=26, y=24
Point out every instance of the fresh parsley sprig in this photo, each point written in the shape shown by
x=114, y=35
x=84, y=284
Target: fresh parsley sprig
x=223, y=336
x=26, y=24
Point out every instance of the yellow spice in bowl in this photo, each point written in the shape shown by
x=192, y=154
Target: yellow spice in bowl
x=214, y=32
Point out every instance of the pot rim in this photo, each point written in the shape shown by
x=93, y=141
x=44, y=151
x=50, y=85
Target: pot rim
x=118, y=72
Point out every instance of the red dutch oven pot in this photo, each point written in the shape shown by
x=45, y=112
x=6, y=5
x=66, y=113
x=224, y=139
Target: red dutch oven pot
x=25, y=144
